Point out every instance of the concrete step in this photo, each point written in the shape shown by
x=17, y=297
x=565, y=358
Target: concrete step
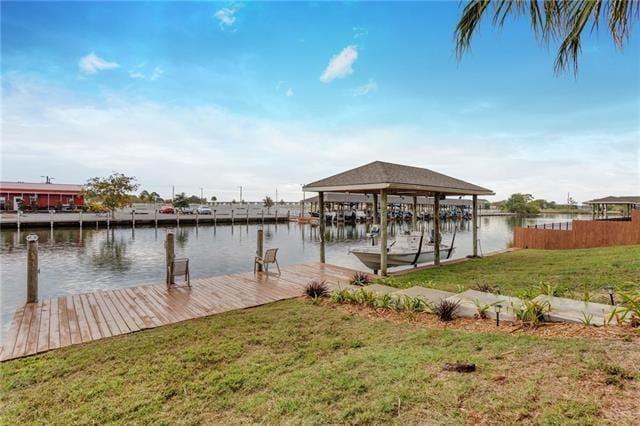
x=575, y=311
x=380, y=288
x=467, y=306
x=429, y=295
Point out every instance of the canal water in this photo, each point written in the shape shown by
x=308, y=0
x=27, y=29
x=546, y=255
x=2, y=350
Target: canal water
x=73, y=261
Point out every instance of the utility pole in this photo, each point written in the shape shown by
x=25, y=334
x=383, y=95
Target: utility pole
x=201, y=196
x=48, y=179
x=173, y=193
x=276, y=200
x=240, y=194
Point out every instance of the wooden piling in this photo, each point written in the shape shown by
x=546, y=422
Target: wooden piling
x=383, y=233
x=474, y=218
x=260, y=246
x=170, y=250
x=32, y=268
x=436, y=228
x=322, y=225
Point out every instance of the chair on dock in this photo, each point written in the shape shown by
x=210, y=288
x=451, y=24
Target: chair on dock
x=270, y=256
x=181, y=268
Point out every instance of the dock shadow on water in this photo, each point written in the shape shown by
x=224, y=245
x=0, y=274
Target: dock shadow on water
x=74, y=261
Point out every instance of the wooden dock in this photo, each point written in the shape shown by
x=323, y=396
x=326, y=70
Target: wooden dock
x=81, y=318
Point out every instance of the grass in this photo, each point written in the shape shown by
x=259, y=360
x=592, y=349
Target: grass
x=299, y=362
x=531, y=272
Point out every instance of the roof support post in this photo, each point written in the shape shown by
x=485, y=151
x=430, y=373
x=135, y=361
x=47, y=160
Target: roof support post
x=474, y=218
x=322, y=224
x=436, y=228
x=383, y=232
x=414, y=212
x=375, y=209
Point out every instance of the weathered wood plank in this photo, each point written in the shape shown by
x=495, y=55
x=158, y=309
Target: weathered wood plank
x=54, y=325
x=43, y=332
x=83, y=322
x=63, y=316
x=99, y=316
x=34, y=329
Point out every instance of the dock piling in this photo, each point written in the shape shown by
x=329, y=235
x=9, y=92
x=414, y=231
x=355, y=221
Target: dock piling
x=32, y=268
x=260, y=246
x=169, y=246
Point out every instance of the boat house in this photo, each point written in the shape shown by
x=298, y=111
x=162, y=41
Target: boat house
x=381, y=180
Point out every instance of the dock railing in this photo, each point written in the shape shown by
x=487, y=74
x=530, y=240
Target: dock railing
x=566, y=226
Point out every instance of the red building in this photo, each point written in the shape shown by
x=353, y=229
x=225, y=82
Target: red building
x=45, y=196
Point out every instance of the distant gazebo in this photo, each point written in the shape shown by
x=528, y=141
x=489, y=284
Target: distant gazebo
x=600, y=206
x=383, y=179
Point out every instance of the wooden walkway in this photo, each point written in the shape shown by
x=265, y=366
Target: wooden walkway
x=81, y=318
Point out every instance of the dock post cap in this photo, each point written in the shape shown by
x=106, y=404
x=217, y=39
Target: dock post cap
x=32, y=237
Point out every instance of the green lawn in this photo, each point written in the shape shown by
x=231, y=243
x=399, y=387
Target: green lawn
x=298, y=362
x=521, y=272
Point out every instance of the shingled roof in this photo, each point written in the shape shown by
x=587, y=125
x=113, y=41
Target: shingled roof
x=615, y=200
x=397, y=178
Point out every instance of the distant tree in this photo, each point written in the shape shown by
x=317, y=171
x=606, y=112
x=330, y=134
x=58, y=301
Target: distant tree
x=281, y=202
x=113, y=192
x=268, y=203
x=214, y=199
x=181, y=200
x=154, y=196
x=521, y=204
x=144, y=196
x=194, y=199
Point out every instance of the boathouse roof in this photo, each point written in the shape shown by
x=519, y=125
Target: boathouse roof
x=627, y=199
x=397, y=179
x=344, y=198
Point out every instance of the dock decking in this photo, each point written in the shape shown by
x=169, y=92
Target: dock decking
x=81, y=318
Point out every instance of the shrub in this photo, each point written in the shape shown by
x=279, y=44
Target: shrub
x=414, y=304
x=315, y=289
x=532, y=312
x=488, y=288
x=481, y=309
x=360, y=279
x=630, y=311
x=445, y=309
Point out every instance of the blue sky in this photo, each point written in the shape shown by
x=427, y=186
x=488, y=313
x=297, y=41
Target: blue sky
x=272, y=95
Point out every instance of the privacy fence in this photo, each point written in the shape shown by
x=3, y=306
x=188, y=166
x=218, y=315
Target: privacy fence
x=583, y=234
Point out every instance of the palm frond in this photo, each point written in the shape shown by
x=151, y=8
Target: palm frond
x=562, y=20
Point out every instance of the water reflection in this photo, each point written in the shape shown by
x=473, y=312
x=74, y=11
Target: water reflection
x=112, y=254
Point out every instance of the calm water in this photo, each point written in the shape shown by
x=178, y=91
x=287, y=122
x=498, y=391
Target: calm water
x=74, y=261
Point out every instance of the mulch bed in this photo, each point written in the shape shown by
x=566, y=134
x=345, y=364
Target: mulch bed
x=551, y=330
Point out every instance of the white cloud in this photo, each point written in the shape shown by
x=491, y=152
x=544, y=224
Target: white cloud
x=157, y=73
x=289, y=92
x=359, y=32
x=42, y=123
x=340, y=65
x=136, y=75
x=92, y=63
x=226, y=17
x=370, y=87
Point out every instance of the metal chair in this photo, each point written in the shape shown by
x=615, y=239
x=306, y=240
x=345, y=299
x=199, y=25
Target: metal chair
x=181, y=268
x=270, y=256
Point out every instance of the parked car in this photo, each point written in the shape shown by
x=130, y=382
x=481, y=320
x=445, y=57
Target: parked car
x=204, y=210
x=186, y=210
x=167, y=210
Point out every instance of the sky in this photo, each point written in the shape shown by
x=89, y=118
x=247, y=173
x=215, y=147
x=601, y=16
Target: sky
x=269, y=96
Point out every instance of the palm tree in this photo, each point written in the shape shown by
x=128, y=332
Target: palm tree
x=268, y=203
x=562, y=20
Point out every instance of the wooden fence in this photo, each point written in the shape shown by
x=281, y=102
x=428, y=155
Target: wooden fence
x=583, y=234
